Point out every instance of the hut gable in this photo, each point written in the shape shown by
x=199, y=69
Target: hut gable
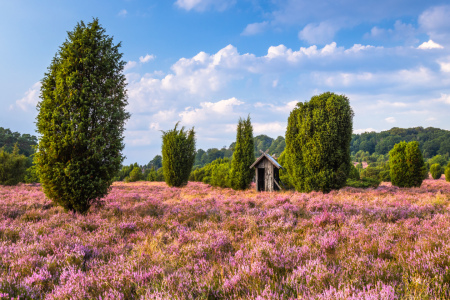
x=267, y=173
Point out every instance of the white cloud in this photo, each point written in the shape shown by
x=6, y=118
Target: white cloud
x=359, y=131
x=445, y=66
x=400, y=32
x=31, y=98
x=430, y=45
x=255, y=28
x=445, y=98
x=130, y=65
x=284, y=109
x=146, y=59
x=390, y=120
x=318, y=34
x=203, y=5
x=212, y=111
x=270, y=128
x=123, y=13
x=436, y=23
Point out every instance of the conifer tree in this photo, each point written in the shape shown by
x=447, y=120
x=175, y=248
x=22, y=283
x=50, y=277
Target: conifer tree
x=318, y=135
x=447, y=172
x=407, y=168
x=436, y=171
x=81, y=118
x=243, y=156
x=178, y=155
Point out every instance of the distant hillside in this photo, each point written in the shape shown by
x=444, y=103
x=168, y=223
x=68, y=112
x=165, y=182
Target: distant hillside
x=432, y=141
x=262, y=142
x=26, y=142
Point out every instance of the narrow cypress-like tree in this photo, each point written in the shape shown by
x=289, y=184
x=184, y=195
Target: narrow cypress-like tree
x=407, y=168
x=81, y=118
x=318, y=139
x=243, y=156
x=178, y=155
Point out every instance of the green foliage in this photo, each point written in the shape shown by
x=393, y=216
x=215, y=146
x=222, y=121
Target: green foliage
x=318, y=143
x=25, y=142
x=354, y=173
x=285, y=178
x=155, y=163
x=442, y=160
x=447, y=172
x=216, y=173
x=436, y=171
x=155, y=175
x=432, y=141
x=12, y=166
x=135, y=175
x=243, y=156
x=31, y=175
x=366, y=182
x=407, y=168
x=178, y=155
x=81, y=118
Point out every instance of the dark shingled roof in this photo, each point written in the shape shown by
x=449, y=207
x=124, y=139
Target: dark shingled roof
x=270, y=158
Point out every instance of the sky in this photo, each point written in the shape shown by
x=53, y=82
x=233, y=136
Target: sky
x=207, y=63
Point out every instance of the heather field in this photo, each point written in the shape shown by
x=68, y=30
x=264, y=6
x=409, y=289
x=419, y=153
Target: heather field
x=148, y=241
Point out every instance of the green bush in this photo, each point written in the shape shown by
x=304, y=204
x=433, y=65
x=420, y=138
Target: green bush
x=318, y=139
x=363, y=183
x=178, y=155
x=447, y=172
x=216, y=173
x=407, y=168
x=135, y=175
x=220, y=175
x=436, y=171
x=354, y=173
x=243, y=156
x=81, y=118
x=12, y=166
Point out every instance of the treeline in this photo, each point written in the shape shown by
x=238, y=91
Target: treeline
x=25, y=142
x=260, y=142
x=432, y=141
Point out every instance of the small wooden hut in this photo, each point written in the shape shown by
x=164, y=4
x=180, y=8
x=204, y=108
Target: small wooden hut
x=267, y=173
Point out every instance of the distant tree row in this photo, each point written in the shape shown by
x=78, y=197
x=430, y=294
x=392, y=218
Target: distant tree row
x=432, y=141
x=25, y=142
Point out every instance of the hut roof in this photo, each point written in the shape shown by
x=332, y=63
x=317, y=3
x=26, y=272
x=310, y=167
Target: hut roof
x=269, y=157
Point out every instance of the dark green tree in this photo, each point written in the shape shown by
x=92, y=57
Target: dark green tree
x=81, y=118
x=436, y=171
x=178, y=155
x=135, y=175
x=243, y=156
x=318, y=143
x=407, y=168
x=12, y=166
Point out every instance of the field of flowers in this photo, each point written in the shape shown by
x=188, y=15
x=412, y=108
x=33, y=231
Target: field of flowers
x=149, y=241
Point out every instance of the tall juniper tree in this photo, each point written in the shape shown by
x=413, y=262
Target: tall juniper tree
x=178, y=155
x=407, y=167
x=243, y=156
x=317, y=154
x=81, y=118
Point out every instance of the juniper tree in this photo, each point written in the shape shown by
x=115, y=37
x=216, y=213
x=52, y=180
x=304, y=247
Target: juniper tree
x=243, y=156
x=81, y=118
x=178, y=155
x=407, y=168
x=318, y=139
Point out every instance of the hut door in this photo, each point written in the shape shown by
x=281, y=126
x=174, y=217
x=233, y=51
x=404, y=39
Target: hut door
x=261, y=181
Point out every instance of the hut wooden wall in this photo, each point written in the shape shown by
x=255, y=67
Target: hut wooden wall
x=268, y=174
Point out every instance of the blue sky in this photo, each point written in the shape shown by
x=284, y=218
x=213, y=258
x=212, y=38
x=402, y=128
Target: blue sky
x=206, y=63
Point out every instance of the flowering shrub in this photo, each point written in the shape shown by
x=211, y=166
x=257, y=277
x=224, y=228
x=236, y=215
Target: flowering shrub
x=150, y=241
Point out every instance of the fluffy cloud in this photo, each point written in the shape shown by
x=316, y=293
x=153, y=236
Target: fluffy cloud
x=436, y=23
x=31, y=98
x=203, y=5
x=130, y=65
x=255, y=28
x=400, y=32
x=146, y=58
x=390, y=120
x=321, y=33
x=430, y=45
x=211, y=112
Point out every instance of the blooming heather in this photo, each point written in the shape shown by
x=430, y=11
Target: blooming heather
x=150, y=241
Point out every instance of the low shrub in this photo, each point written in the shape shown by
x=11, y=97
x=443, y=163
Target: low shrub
x=364, y=183
x=436, y=171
